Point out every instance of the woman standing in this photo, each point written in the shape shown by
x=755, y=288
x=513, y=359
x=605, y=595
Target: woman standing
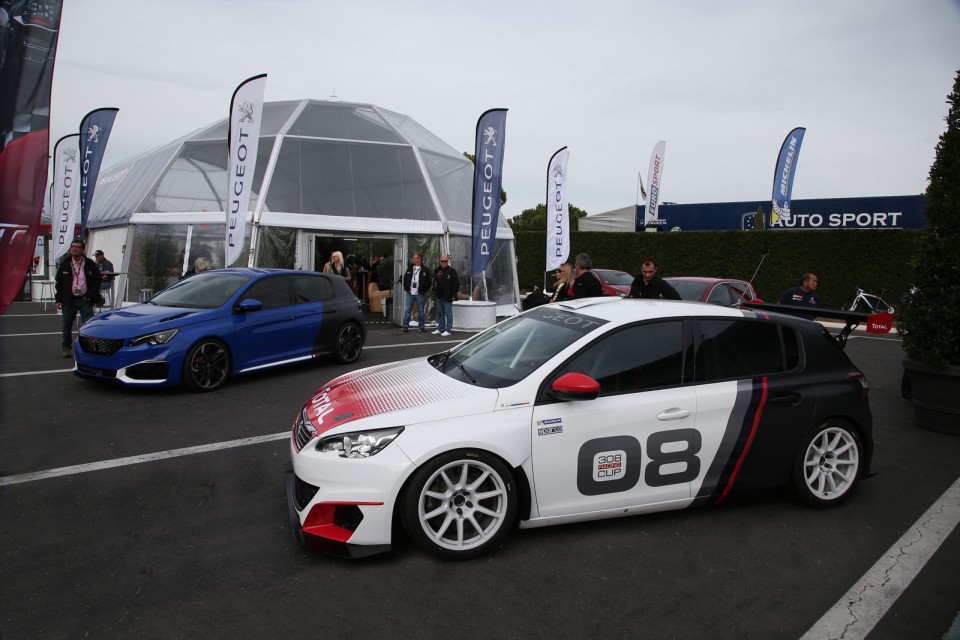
x=564, y=279
x=336, y=265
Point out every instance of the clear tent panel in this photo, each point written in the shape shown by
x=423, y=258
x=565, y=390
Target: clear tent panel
x=452, y=180
x=197, y=179
x=340, y=178
x=346, y=122
x=274, y=118
x=418, y=136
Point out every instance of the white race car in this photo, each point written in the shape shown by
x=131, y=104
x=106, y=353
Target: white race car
x=581, y=410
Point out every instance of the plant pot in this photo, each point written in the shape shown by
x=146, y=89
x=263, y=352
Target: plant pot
x=936, y=396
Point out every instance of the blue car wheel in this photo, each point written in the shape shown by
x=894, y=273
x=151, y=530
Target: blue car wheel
x=349, y=343
x=207, y=366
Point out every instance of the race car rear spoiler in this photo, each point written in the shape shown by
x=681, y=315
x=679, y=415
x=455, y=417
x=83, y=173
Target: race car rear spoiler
x=874, y=322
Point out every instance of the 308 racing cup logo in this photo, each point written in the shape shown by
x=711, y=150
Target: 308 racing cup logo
x=608, y=465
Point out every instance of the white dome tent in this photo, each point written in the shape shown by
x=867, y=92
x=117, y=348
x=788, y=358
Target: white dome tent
x=330, y=176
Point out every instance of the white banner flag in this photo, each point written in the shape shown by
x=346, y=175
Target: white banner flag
x=65, y=202
x=653, y=179
x=246, y=108
x=558, y=214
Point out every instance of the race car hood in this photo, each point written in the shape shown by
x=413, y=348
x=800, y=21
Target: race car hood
x=141, y=319
x=410, y=390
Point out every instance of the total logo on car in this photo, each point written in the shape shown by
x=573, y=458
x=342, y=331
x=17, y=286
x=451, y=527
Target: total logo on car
x=580, y=410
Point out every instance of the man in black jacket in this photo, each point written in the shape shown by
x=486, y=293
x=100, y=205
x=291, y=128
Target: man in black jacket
x=587, y=283
x=77, y=290
x=648, y=285
x=416, y=282
x=446, y=284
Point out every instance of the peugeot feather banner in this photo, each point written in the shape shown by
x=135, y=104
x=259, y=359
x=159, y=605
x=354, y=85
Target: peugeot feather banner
x=66, y=193
x=487, y=175
x=95, y=131
x=654, y=177
x=558, y=214
x=28, y=33
x=783, y=177
x=246, y=107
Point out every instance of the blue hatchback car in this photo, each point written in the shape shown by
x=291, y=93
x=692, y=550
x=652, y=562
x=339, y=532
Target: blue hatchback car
x=201, y=330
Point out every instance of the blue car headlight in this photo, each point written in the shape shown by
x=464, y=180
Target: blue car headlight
x=160, y=337
x=359, y=444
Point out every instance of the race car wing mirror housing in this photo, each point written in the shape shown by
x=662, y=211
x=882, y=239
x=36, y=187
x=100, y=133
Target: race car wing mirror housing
x=575, y=386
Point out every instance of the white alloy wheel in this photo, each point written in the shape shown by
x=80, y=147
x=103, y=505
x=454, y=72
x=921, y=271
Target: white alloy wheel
x=460, y=504
x=829, y=466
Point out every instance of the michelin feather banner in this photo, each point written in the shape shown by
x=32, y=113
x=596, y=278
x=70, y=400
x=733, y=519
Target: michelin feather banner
x=64, y=214
x=28, y=46
x=246, y=108
x=783, y=177
x=95, y=131
x=558, y=214
x=487, y=182
x=654, y=177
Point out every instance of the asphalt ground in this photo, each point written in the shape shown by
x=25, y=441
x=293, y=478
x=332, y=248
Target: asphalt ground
x=197, y=545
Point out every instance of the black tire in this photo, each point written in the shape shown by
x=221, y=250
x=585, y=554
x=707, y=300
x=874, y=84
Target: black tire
x=828, y=464
x=460, y=505
x=348, y=343
x=207, y=366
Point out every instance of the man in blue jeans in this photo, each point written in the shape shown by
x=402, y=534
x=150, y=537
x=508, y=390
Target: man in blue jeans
x=77, y=290
x=416, y=282
x=446, y=284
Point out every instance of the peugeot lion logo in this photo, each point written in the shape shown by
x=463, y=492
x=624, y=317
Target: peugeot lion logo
x=70, y=155
x=557, y=171
x=246, y=111
x=490, y=135
x=93, y=133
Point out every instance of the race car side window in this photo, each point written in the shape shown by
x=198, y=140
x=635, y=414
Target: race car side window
x=308, y=288
x=638, y=358
x=273, y=292
x=735, y=349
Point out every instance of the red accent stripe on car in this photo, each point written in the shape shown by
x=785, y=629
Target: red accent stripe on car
x=319, y=522
x=746, y=447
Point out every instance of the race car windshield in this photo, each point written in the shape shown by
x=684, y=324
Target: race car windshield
x=202, y=291
x=515, y=348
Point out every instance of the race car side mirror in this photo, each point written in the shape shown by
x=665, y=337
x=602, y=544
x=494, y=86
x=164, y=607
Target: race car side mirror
x=575, y=386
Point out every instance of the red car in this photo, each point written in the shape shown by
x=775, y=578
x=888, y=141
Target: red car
x=722, y=291
x=615, y=283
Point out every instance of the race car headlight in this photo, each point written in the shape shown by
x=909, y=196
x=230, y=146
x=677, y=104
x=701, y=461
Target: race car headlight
x=359, y=444
x=160, y=337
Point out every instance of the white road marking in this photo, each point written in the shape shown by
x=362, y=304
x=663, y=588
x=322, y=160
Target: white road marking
x=148, y=457
x=34, y=373
x=22, y=335
x=859, y=610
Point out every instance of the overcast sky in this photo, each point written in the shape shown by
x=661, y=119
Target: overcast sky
x=722, y=81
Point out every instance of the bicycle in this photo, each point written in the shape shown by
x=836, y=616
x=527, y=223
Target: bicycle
x=872, y=303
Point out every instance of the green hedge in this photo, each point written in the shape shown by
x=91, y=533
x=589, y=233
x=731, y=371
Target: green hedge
x=843, y=259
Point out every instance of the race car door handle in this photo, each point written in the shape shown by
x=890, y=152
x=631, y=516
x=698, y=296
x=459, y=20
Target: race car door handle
x=673, y=414
x=789, y=399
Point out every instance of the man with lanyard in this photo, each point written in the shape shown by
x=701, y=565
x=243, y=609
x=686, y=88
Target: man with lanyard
x=649, y=285
x=77, y=290
x=416, y=282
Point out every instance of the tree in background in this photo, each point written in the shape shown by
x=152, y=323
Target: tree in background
x=758, y=222
x=536, y=219
x=930, y=318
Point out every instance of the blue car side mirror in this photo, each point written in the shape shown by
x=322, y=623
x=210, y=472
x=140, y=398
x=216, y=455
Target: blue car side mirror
x=249, y=305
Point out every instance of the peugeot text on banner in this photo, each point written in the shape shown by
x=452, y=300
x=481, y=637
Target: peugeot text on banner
x=246, y=107
x=29, y=46
x=487, y=175
x=95, y=131
x=558, y=214
x=66, y=193
x=653, y=179
x=783, y=177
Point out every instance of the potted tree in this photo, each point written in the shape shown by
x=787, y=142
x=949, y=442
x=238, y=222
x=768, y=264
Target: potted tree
x=929, y=318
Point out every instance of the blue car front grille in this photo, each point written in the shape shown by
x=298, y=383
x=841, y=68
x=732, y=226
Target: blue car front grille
x=100, y=346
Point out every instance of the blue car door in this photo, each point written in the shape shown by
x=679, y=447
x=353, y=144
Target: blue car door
x=266, y=335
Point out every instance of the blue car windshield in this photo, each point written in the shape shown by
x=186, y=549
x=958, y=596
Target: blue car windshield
x=513, y=349
x=202, y=291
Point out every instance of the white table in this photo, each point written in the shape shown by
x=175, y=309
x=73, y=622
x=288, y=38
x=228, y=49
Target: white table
x=474, y=315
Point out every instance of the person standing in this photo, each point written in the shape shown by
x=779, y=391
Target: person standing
x=649, y=285
x=446, y=286
x=587, y=283
x=77, y=290
x=105, y=268
x=416, y=283
x=336, y=265
x=805, y=295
